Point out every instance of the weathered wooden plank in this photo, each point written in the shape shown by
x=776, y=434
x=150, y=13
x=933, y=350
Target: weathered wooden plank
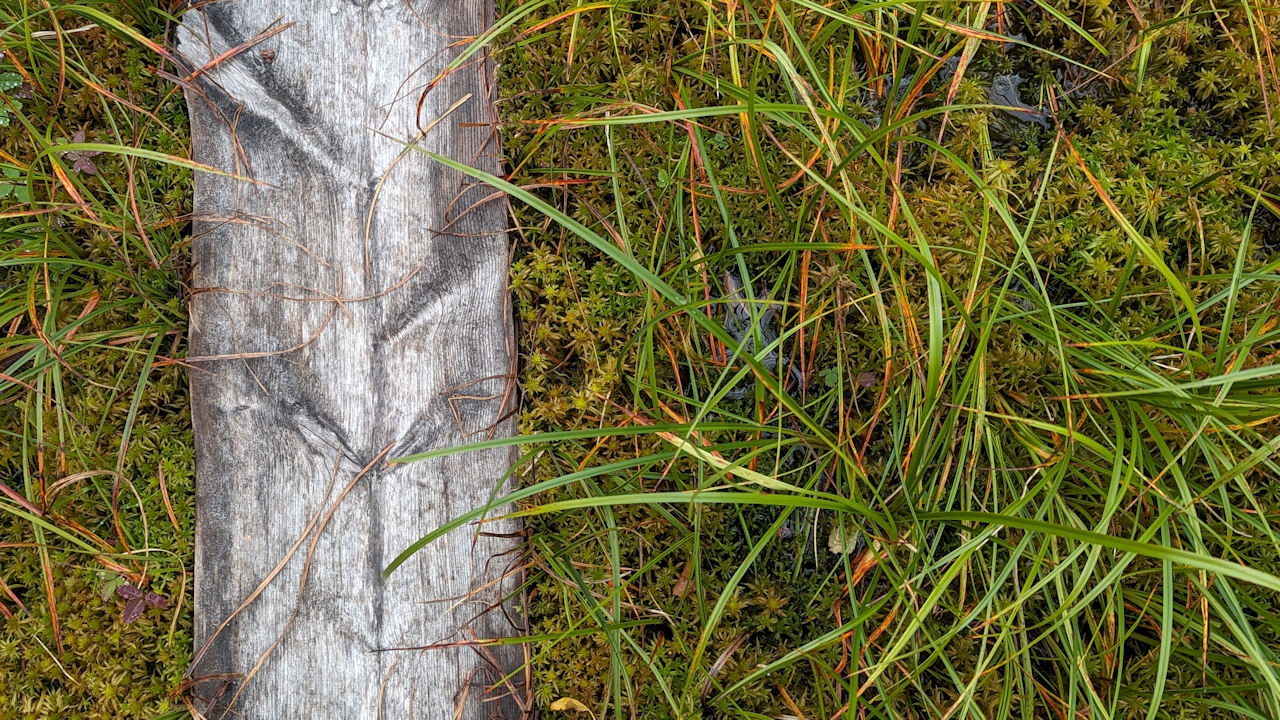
x=350, y=309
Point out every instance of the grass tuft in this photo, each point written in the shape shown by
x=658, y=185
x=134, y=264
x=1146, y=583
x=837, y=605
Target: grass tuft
x=95, y=456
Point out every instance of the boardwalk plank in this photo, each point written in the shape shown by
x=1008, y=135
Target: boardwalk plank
x=350, y=308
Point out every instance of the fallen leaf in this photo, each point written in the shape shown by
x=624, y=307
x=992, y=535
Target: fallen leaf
x=844, y=542
x=567, y=704
x=682, y=583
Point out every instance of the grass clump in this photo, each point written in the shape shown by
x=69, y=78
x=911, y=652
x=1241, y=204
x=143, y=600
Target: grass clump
x=1030, y=469
x=96, y=460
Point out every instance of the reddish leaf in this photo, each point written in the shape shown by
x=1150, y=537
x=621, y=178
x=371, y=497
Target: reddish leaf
x=138, y=601
x=80, y=158
x=133, y=609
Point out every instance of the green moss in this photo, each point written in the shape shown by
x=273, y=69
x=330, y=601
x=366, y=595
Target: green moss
x=97, y=436
x=1181, y=146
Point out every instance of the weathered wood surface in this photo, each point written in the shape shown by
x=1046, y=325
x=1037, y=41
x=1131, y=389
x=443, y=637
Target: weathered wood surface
x=350, y=309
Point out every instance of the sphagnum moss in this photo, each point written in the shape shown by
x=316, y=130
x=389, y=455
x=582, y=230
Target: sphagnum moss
x=1073, y=325
x=94, y=418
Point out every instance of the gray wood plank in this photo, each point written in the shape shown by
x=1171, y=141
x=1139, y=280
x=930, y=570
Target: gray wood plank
x=349, y=309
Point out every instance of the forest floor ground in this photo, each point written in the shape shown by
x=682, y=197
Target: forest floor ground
x=878, y=360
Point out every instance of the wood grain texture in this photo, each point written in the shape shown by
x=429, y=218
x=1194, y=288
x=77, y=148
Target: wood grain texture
x=351, y=307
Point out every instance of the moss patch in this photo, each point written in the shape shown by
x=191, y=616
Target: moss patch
x=93, y=408
x=997, y=317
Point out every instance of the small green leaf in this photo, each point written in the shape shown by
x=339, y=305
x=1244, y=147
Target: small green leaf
x=108, y=583
x=831, y=377
x=11, y=184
